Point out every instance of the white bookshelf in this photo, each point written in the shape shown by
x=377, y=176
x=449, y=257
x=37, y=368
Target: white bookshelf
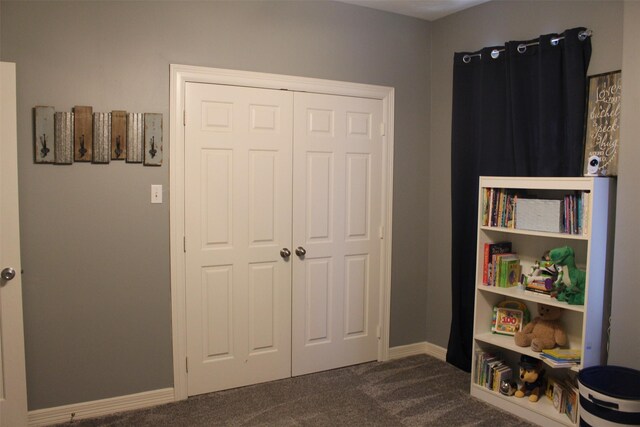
x=586, y=325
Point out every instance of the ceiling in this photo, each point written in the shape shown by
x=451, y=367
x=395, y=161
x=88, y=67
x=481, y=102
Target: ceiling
x=429, y=10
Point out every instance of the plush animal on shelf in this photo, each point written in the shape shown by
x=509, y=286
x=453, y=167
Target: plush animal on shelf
x=531, y=377
x=574, y=292
x=544, y=331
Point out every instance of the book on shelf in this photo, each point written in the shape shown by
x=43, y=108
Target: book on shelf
x=563, y=354
x=503, y=265
x=508, y=321
x=571, y=401
x=509, y=316
x=558, y=364
x=491, y=249
x=498, y=207
x=539, y=286
x=490, y=370
x=564, y=395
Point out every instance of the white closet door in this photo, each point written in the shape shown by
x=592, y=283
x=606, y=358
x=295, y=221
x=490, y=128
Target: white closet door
x=337, y=218
x=238, y=218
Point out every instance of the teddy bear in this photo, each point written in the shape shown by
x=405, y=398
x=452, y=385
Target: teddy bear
x=544, y=331
x=531, y=375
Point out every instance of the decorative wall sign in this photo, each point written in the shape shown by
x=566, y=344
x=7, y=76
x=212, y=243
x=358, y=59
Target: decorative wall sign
x=152, y=139
x=101, y=137
x=64, y=138
x=44, y=135
x=83, y=134
x=135, y=137
x=118, y=135
x=602, y=135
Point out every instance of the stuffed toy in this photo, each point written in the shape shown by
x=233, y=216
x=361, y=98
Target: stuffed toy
x=574, y=292
x=544, y=331
x=531, y=375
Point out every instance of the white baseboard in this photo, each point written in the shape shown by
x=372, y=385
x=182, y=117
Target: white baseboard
x=97, y=408
x=418, y=348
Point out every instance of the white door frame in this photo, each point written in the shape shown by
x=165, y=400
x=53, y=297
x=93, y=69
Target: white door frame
x=180, y=75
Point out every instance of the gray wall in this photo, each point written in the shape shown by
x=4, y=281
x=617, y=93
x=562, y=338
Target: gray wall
x=490, y=24
x=95, y=252
x=625, y=316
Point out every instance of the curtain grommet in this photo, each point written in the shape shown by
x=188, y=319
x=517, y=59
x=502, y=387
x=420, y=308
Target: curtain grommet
x=466, y=59
x=495, y=53
x=522, y=48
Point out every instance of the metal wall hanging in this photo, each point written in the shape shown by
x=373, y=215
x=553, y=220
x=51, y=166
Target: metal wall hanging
x=84, y=136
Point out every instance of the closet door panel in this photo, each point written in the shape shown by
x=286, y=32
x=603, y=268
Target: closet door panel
x=336, y=217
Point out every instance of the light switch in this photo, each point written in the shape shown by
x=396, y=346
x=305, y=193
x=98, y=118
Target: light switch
x=156, y=194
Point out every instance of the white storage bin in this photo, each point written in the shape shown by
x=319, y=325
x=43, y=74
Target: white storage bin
x=539, y=215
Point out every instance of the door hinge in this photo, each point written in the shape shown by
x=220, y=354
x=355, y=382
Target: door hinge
x=186, y=364
x=381, y=232
x=184, y=244
x=184, y=117
x=383, y=129
x=378, y=332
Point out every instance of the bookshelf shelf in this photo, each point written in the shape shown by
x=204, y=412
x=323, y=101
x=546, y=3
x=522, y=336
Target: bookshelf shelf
x=535, y=233
x=516, y=293
x=582, y=323
x=541, y=412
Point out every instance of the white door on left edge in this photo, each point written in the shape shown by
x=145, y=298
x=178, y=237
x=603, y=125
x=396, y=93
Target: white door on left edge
x=238, y=153
x=13, y=388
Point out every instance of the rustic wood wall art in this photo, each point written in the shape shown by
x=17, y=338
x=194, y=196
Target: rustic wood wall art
x=84, y=136
x=44, y=135
x=135, y=137
x=152, y=139
x=101, y=137
x=118, y=135
x=64, y=138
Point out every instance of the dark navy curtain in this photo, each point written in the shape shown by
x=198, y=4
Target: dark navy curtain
x=518, y=113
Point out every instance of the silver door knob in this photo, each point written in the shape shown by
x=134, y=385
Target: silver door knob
x=8, y=273
x=285, y=253
x=300, y=251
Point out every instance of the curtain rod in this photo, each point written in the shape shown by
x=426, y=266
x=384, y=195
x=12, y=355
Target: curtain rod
x=522, y=47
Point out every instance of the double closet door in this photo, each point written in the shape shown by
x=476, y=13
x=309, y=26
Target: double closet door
x=282, y=235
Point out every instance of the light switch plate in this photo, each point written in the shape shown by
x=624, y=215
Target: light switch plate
x=156, y=194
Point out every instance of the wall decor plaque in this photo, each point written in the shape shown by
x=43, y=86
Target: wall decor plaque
x=152, y=139
x=135, y=137
x=101, y=137
x=64, y=138
x=118, y=135
x=83, y=134
x=44, y=135
x=602, y=131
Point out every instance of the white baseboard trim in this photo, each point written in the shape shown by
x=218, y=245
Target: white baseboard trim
x=418, y=348
x=97, y=408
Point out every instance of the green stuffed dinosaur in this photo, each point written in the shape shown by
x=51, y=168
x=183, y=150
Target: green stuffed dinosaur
x=573, y=293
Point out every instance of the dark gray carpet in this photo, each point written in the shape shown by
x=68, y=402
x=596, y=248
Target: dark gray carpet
x=414, y=391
